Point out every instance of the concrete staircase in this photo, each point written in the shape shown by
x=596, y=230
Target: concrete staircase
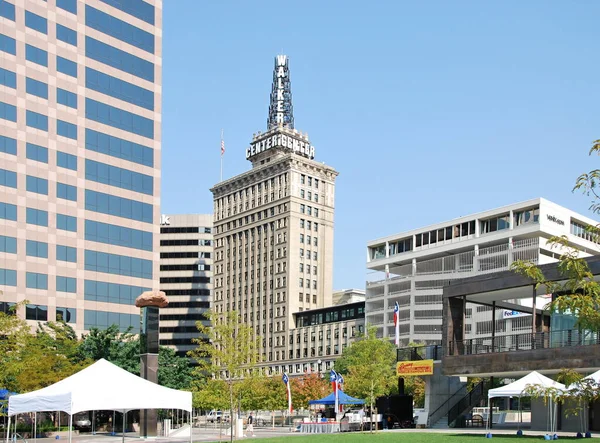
x=442, y=423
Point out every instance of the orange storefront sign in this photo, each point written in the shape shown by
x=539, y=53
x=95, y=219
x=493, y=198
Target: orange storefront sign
x=421, y=367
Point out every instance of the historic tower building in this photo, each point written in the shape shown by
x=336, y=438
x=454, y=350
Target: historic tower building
x=273, y=230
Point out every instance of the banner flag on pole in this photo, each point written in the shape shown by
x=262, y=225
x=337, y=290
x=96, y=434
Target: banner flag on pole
x=334, y=378
x=286, y=380
x=397, y=323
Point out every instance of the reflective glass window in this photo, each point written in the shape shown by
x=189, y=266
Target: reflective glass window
x=119, y=29
x=65, y=160
x=8, y=112
x=138, y=8
x=66, y=98
x=8, y=277
x=66, y=129
x=119, y=59
x=118, y=118
x=36, y=22
x=117, y=264
x=36, y=280
x=66, y=284
x=8, y=145
x=35, y=120
x=8, y=211
x=36, y=87
x=68, y=192
x=37, y=185
x=7, y=10
x=66, y=35
x=119, y=206
x=66, y=253
x=8, y=178
x=66, y=222
x=8, y=44
x=122, y=178
x=66, y=66
x=36, y=152
x=119, y=148
x=8, y=78
x=36, y=55
x=109, y=85
x=8, y=244
x=118, y=235
x=36, y=249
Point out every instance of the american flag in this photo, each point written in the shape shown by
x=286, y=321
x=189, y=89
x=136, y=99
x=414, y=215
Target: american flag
x=222, y=146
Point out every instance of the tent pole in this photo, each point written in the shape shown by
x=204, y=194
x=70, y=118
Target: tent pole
x=35, y=426
x=191, y=423
x=8, y=429
x=114, y=418
x=70, y=428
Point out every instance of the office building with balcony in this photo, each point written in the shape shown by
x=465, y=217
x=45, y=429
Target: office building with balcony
x=411, y=268
x=80, y=143
x=273, y=229
x=185, y=277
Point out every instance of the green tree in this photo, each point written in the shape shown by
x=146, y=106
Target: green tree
x=173, y=371
x=369, y=363
x=15, y=335
x=51, y=354
x=211, y=394
x=308, y=387
x=120, y=348
x=227, y=349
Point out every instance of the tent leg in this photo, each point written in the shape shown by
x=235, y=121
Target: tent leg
x=191, y=423
x=124, y=422
x=8, y=429
x=70, y=428
x=35, y=426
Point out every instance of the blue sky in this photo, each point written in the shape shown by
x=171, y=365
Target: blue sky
x=429, y=110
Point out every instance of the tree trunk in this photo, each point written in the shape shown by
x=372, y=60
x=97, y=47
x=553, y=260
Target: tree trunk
x=230, y=410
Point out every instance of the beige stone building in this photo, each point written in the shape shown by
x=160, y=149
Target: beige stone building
x=273, y=230
x=80, y=143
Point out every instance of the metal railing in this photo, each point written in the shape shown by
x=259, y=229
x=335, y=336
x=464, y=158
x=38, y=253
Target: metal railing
x=443, y=409
x=466, y=403
x=523, y=342
x=413, y=353
x=490, y=259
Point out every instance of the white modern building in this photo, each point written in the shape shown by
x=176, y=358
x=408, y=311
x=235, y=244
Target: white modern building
x=411, y=268
x=185, y=277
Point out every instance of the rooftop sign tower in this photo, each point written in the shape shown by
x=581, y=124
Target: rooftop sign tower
x=280, y=133
x=281, y=111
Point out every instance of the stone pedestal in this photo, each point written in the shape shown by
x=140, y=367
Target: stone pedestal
x=149, y=364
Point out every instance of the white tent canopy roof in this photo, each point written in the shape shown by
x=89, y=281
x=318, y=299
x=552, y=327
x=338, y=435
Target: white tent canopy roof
x=516, y=388
x=101, y=386
x=595, y=377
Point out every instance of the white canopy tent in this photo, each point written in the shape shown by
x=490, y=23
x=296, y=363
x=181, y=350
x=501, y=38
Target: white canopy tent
x=518, y=387
x=101, y=386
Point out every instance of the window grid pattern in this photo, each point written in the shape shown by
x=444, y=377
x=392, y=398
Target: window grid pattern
x=109, y=85
x=119, y=148
x=118, y=235
x=119, y=177
x=119, y=206
x=8, y=244
x=36, y=249
x=68, y=161
x=112, y=292
x=68, y=192
x=119, y=29
x=8, y=145
x=117, y=264
x=118, y=118
x=119, y=59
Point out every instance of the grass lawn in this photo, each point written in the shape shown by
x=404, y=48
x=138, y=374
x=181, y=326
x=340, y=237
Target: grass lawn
x=402, y=437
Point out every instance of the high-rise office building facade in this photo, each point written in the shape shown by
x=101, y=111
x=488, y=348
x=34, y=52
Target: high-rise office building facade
x=411, y=268
x=185, y=277
x=80, y=131
x=273, y=230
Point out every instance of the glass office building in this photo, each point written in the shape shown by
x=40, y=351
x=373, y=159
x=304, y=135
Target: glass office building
x=80, y=107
